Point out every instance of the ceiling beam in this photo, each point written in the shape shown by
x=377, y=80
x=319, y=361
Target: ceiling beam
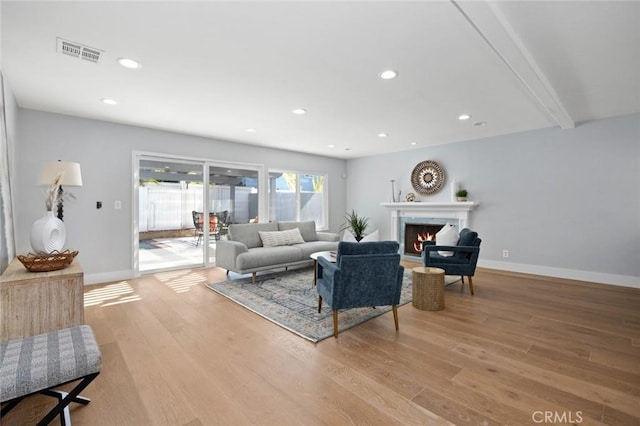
x=489, y=22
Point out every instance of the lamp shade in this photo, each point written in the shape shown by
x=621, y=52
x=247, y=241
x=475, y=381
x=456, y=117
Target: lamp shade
x=71, y=175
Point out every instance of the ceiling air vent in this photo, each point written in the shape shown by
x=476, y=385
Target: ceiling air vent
x=78, y=50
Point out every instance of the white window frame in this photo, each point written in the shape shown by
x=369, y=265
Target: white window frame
x=325, y=194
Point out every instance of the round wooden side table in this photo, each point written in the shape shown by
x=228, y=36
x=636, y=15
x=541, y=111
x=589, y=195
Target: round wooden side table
x=428, y=289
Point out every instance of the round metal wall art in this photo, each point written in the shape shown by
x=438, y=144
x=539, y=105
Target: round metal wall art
x=427, y=177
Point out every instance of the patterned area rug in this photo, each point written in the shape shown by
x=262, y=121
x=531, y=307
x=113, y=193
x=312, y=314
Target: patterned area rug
x=289, y=299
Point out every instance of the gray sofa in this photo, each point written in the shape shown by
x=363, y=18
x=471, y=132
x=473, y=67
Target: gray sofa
x=243, y=251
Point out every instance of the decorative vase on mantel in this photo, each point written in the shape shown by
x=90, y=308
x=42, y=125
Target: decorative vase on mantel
x=48, y=234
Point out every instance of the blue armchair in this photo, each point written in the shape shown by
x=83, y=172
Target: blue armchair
x=464, y=260
x=364, y=274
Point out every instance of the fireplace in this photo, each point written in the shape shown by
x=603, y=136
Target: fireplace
x=416, y=233
x=436, y=214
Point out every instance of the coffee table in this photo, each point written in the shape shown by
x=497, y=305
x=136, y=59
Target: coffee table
x=329, y=255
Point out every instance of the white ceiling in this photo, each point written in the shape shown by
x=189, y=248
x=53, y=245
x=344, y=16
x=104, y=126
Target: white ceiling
x=215, y=69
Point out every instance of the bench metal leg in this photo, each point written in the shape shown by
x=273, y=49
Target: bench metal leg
x=65, y=416
x=62, y=408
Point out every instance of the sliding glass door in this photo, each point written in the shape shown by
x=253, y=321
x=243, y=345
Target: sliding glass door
x=178, y=223
x=169, y=192
x=233, y=198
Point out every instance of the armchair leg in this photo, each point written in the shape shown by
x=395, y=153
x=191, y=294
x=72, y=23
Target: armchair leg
x=335, y=323
x=462, y=287
x=319, y=303
x=471, y=285
x=395, y=316
x=253, y=278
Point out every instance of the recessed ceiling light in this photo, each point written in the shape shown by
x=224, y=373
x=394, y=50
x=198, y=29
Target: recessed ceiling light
x=413, y=143
x=480, y=123
x=109, y=101
x=464, y=117
x=299, y=111
x=251, y=130
x=331, y=146
x=388, y=74
x=129, y=63
x=383, y=135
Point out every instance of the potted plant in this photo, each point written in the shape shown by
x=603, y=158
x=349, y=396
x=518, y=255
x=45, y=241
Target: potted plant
x=462, y=195
x=356, y=224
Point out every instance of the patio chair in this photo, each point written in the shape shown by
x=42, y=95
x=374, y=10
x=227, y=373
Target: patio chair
x=198, y=223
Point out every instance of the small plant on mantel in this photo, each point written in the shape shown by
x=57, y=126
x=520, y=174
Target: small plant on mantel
x=461, y=195
x=356, y=224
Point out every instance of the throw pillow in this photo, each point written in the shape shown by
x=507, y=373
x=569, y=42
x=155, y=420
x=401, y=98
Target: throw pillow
x=281, y=238
x=374, y=236
x=447, y=236
x=307, y=229
x=348, y=237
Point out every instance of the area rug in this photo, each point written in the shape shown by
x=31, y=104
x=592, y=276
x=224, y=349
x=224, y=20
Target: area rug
x=289, y=299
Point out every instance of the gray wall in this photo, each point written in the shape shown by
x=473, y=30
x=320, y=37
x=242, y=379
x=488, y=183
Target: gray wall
x=104, y=150
x=565, y=203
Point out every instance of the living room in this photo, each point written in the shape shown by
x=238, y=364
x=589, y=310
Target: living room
x=562, y=200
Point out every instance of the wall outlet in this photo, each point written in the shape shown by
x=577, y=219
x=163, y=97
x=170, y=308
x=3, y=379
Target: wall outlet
x=117, y=205
x=505, y=253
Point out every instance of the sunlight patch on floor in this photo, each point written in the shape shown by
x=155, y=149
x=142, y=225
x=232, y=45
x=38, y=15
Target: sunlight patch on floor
x=181, y=281
x=114, y=294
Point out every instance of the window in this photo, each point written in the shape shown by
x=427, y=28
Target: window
x=298, y=196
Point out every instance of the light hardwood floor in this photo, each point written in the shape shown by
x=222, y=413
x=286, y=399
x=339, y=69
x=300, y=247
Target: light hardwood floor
x=176, y=353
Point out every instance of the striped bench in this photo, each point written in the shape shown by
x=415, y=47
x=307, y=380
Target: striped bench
x=37, y=364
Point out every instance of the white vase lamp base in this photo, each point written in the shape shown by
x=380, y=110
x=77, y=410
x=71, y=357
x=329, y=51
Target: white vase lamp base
x=48, y=234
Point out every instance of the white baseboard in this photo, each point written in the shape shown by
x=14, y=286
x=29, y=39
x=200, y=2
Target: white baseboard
x=107, y=277
x=571, y=274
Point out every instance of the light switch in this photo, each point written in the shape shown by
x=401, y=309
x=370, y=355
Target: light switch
x=118, y=205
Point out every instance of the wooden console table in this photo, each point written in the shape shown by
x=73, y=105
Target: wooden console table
x=40, y=302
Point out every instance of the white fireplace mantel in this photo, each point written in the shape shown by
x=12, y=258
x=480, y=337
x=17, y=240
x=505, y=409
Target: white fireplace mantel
x=457, y=211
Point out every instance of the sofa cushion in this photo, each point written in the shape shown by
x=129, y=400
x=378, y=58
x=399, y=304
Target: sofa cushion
x=280, y=238
x=315, y=246
x=247, y=233
x=307, y=229
x=267, y=256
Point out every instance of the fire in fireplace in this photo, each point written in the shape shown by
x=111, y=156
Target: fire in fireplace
x=416, y=233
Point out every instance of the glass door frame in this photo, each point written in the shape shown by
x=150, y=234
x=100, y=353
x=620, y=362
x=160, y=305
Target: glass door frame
x=205, y=164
